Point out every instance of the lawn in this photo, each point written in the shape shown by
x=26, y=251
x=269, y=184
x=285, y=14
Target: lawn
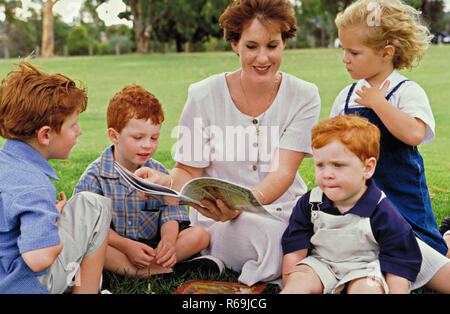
x=168, y=77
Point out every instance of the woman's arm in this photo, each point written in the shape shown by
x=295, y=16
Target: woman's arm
x=276, y=183
x=182, y=173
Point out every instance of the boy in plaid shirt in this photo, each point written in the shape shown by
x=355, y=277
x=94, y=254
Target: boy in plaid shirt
x=147, y=237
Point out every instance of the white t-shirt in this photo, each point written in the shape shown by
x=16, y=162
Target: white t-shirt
x=409, y=98
x=216, y=136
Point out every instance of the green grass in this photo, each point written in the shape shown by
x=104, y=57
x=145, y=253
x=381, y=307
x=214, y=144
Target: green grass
x=168, y=77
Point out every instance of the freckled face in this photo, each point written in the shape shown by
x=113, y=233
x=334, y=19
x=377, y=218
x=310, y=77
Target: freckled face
x=62, y=143
x=339, y=173
x=136, y=143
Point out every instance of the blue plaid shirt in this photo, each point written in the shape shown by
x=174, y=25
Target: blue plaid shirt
x=132, y=217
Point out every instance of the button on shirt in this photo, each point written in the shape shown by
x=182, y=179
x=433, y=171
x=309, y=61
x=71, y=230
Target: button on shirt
x=132, y=217
x=399, y=252
x=28, y=214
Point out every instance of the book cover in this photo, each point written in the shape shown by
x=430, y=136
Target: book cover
x=218, y=287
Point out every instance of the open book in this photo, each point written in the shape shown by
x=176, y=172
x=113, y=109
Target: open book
x=218, y=287
x=194, y=191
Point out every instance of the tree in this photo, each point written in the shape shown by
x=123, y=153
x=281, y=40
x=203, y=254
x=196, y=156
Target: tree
x=167, y=20
x=433, y=13
x=48, y=37
x=19, y=37
x=188, y=21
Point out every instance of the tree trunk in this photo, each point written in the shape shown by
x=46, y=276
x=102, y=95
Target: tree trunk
x=141, y=34
x=48, y=39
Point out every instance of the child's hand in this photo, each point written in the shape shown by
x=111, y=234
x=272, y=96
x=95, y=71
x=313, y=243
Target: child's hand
x=370, y=97
x=154, y=176
x=166, y=254
x=62, y=202
x=140, y=254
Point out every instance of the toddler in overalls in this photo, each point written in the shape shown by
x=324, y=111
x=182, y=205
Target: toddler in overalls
x=379, y=38
x=345, y=233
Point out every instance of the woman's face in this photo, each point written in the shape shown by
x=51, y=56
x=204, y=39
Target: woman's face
x=260, y=49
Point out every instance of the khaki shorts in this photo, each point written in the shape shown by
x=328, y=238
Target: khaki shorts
x=432, y=262
x=330, y=281
x=83, y=227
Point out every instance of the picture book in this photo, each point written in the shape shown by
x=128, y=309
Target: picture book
x=218, y=287
x=194, y=191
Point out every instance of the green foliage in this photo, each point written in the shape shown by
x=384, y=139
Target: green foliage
x=79, y=42
x=62, y=31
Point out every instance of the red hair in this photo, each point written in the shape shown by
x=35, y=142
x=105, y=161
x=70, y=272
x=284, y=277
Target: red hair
x=239, y=13
x=133, y=101
x=31, y=99
x=360, y=136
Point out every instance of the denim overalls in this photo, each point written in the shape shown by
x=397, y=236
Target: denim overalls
x=400, y=174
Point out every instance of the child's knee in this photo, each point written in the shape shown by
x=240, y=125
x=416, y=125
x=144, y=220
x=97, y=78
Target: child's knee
x=365, y=285
x=303, y=280
x=201, y=237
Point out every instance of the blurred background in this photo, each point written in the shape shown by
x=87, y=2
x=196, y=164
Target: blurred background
x=108, y=27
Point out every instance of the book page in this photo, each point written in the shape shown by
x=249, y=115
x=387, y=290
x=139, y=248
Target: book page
x=155, y=191
x=235, y=196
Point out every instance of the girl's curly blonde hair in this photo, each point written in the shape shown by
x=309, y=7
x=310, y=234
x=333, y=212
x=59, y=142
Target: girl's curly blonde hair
x=389, y=22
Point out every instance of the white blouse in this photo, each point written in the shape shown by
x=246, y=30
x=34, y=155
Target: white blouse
x=213, y=134
x=409, y=98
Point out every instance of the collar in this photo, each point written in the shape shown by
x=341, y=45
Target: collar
x=27, y=154
x=365, y=206
x=107, y=164
x=394, y=78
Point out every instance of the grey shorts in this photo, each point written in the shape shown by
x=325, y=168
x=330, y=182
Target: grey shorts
x=83, y=227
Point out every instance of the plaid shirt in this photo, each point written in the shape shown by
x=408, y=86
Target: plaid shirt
x=132, y=216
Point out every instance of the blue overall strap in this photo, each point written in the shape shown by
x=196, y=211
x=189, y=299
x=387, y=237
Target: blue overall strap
x=395, y=89
x=349, y=95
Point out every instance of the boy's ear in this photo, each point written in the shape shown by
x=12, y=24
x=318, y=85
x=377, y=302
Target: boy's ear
x=113, y=135
x=43, y=135
x=369, y=167
x=389, y=52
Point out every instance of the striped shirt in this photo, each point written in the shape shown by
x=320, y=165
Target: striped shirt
x=133, y=217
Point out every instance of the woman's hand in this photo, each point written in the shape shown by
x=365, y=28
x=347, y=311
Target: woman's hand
x=218, y=211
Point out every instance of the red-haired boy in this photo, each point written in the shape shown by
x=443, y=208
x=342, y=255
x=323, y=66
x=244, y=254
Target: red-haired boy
x=345, y=234
x=147, y=237
x=45, y=244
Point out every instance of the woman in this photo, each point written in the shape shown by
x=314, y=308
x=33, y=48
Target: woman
x=253, y=127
